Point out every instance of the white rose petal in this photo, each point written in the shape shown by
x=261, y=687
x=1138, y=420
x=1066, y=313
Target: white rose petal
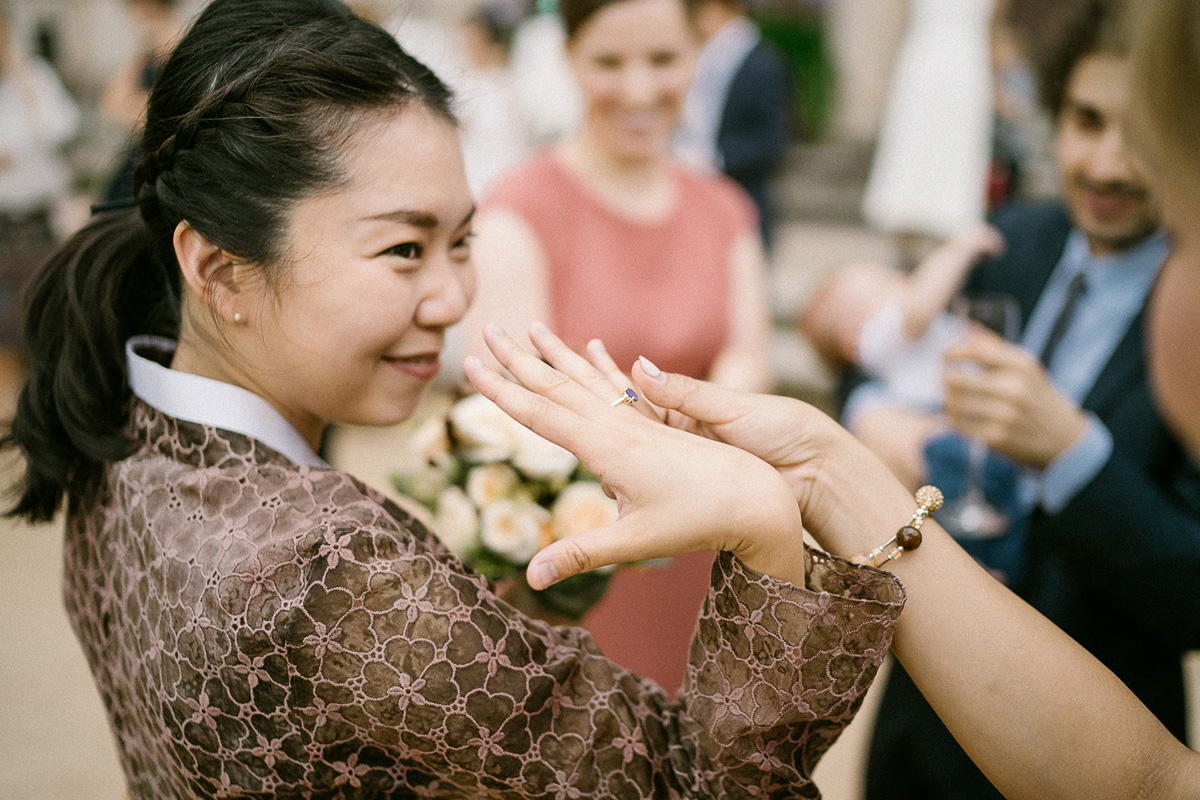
x=581, y=507
x=456, y=522
x=486, y=433
x=513, y=529
x=540, y=459
x=431, y=443
x=488, y=483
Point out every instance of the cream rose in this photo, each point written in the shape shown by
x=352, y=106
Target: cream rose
x=456, y=521
x=513, y=528
x=488, y=483
x=486, y=433
x=580, y=508
x=540, y=459
x=431, y=443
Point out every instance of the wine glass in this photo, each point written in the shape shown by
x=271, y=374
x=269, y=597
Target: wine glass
x=970, y=515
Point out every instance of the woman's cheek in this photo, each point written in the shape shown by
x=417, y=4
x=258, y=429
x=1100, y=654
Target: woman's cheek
x=1174, y=340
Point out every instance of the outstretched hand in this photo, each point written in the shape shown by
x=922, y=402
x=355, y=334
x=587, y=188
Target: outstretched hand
x=677, y=493
x=845, y=494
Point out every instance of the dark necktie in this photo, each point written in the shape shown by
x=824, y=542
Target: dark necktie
x=1075, y=290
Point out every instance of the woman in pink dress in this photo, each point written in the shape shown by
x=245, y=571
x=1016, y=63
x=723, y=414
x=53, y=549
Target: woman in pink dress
x=606, y=236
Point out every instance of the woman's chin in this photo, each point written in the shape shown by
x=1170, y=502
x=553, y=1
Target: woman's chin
x=383, y=414
x=637, y=148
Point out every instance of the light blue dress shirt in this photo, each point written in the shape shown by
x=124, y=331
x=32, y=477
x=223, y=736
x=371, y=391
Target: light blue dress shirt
x=1117, y=287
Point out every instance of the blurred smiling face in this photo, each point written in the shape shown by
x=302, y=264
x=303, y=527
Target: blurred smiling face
x=632, y=61
x=1103, y=187
x=376, y=270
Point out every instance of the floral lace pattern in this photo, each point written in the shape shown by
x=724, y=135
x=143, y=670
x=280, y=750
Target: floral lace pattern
x=259, y=629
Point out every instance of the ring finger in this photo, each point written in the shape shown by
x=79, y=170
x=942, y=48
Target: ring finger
x=609, y=386
x=536, y=375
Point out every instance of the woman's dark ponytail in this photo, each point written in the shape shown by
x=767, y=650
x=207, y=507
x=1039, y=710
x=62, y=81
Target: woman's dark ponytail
x=246, y=119
x=102, y=286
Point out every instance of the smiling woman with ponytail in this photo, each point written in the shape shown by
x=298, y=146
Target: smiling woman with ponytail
x=260, y=624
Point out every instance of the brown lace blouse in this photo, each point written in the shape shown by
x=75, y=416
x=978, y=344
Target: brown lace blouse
x=261, y=629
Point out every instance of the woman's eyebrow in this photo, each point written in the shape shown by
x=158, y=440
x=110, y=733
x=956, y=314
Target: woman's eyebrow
x=418, y=219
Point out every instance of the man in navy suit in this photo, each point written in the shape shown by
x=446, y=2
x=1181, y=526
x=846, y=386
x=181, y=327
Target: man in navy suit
x=1109, y=503
x=737, y=113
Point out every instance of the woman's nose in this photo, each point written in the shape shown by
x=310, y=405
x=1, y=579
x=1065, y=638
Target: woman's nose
x=447, y=300
x=638, y=84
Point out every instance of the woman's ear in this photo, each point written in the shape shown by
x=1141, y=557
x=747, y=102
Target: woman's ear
x=210, y=272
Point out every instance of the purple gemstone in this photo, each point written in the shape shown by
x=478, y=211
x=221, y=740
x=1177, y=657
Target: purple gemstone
x=631, y=394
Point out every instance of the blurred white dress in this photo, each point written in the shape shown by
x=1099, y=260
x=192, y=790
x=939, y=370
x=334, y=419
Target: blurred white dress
x=37, y=117
x=931, y=165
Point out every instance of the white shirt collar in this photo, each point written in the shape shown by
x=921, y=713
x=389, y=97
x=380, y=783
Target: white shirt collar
x=205, y=401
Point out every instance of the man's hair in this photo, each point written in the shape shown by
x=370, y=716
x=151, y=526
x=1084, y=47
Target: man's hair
x=1096, y=27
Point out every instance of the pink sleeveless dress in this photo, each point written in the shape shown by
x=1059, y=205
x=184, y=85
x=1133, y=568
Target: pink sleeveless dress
x=660, y=290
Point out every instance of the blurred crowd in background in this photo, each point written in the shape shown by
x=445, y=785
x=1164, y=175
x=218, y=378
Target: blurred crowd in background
x=76, y=72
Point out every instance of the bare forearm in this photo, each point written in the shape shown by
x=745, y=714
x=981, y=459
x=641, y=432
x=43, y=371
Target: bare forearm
x=1039, y=715
x=897, y=436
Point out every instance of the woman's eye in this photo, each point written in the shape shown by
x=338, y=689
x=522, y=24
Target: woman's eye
x=463, y=245
x=409, y=250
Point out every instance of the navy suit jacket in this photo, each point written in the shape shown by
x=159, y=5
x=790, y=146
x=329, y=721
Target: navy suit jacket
x=755, y=126
x=1118, y=568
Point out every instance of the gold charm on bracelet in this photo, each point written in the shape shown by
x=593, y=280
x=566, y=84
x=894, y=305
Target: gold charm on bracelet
x=929, y=499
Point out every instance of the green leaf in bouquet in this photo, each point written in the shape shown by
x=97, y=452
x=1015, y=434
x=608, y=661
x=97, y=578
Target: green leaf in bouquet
x=456, y=471
x=574, y=596
x=424, y=485
x=582, y=473
x=490, y=565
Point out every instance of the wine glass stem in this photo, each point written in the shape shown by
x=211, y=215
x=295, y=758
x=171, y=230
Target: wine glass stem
x=976, y=455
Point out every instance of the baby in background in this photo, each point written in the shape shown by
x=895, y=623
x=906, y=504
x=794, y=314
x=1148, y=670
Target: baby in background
x=893, y=327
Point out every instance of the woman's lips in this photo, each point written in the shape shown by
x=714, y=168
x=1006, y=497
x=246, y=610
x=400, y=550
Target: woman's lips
x=422, y=367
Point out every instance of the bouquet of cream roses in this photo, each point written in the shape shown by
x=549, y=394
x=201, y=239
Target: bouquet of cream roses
x=498, y=493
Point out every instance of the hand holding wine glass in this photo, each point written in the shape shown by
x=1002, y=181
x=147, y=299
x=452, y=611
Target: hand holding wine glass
x=971, y=515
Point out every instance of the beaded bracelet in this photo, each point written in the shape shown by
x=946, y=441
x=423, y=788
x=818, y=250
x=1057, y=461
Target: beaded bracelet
x=929, y=499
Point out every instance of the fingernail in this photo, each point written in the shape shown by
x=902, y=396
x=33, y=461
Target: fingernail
x=539, y=328
x=596, y=344
x=472, y=363
x=649, y=368
x=545, y=574
x=496, y=330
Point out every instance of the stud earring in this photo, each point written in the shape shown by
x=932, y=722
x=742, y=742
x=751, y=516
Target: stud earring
x=237, y=316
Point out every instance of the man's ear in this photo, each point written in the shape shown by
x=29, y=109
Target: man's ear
x=209, y=272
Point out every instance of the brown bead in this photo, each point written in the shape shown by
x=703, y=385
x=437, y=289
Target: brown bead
x=908, y=537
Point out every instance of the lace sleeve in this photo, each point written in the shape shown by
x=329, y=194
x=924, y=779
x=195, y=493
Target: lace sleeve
x=778, y=671
x=390, y=669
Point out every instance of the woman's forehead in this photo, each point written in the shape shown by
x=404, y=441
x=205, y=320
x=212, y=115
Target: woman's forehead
x=405, y=166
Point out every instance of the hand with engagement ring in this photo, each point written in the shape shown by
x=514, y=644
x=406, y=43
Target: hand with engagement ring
x=677, y=493
x=824, y=465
